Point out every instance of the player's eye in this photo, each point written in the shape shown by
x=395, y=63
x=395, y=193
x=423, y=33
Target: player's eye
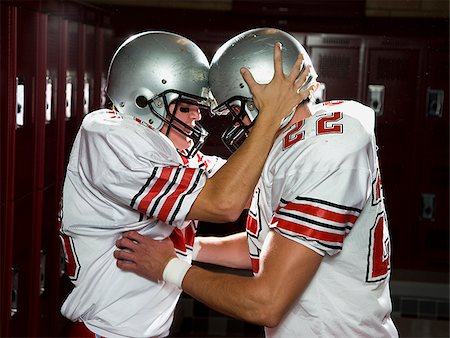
x=184, y=109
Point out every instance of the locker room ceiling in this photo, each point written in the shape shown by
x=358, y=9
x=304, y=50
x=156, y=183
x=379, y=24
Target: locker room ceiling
x=220, y=5
x=227, y=17
x=371, y=8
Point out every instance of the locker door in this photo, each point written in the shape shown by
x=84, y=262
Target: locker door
x=54, y=171
x=74, y=84
x=433, y=159
x=8, y=54
x=391, y=88
x=99, y=81
x=109, y=47
x=337, y=61
x=29, y=169
x=91, y=95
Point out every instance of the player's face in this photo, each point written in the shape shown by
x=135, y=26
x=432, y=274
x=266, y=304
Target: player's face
x=187, y=113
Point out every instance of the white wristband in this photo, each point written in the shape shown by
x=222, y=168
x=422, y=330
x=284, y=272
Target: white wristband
x=175, y=271
x=196, y=248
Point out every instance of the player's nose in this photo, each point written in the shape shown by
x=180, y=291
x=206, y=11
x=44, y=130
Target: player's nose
x=195, y=113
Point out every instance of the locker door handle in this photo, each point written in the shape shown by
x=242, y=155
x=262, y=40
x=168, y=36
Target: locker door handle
x=62, y=262
x=86, y=90
x=68, y=97
x=376, y=99
x=48, y=99
x=14, y=291
x=20, y=102
x=435, y=102
x=103, y=95
x=42, y=273
x=428, y=206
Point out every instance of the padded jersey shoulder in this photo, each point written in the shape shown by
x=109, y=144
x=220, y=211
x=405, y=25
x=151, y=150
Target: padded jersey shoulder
x=128, y=138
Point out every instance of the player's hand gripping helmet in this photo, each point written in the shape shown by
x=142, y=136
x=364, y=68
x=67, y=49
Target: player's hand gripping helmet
x=151, y=70
x=252, y=49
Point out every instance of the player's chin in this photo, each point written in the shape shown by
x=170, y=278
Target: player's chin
x=184, y=143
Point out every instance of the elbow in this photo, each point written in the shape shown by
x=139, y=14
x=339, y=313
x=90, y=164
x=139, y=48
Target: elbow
x=268, y=311
x=227, y=209
x=270, y=318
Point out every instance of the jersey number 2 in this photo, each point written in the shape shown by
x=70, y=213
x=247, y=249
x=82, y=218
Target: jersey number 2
x=325, y=125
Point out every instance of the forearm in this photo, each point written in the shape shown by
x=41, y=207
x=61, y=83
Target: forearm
x=226, y=194
x=285, y=270
x=236, y=296
x=230, y=251
x=244, y=167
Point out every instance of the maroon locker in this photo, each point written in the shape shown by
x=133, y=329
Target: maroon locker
x=8, y=52
x=98, y=68
x=74, y=83
x=72, y=118
x=432, y=182
x=91, y=95
x=109, y=47
x=41, y=54
x=54, y=168
x=337, y=61
x=29, y=169
x=391, y=89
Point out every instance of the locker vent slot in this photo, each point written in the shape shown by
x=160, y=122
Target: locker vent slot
x=392, y=69
x=334, y=67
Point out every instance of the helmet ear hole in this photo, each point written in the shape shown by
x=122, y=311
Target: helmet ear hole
x=141, y=101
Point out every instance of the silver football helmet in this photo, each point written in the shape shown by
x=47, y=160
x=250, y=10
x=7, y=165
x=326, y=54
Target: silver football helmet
x=153, y=69
x=252, y=49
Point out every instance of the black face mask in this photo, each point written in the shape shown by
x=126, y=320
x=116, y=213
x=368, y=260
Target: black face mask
x=197, y=134
x=238, y=131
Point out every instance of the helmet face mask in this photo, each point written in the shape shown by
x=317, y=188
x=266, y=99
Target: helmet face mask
x=196, y=133
x=252, y=49
x=151, y=70
x=242, y=120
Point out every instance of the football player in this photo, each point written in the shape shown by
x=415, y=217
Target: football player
x=137, y=167
x=317, y=235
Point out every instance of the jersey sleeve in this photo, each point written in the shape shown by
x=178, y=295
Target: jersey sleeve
x=168, y=193
x=211, y=164
x=137, y=168
x=321, y=202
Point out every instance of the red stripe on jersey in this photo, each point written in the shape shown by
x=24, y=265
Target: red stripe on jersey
x=378, y=187
x=203, y=160
x=171, y=199
x=255, y=264
x=189, y=235
x=155, y=189
x=181, y=241
x=177, y=239
x=71, y=261
x=251, y=225
x=322, y=213
x=333, y=102
x=308, y=232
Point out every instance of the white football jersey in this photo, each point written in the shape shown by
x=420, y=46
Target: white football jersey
x=122, y=175
x=321, y=188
